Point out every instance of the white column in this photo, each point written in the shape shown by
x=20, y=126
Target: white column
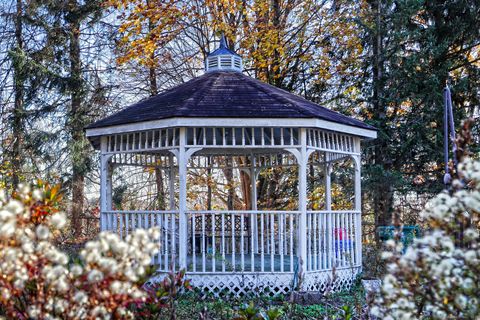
x=182, y=200
x=328, y=208
x=253, y=199
x=105, y=183
x=302, y=201
x=328, y=186
x=358, y=207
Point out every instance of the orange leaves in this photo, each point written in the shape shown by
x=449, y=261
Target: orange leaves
x=145, y=27
x=43, y=201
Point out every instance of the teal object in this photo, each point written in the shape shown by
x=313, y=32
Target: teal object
x=408, y=233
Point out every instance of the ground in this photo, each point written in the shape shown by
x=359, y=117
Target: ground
x=342, y=305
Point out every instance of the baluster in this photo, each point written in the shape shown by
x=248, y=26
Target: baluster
x=349, y=233
x=338, y=253
x=285, y=234
x=262, y=241
x=232, y=217
x=315, y=252
x=174, y=241
x=280, y=244
x=272, y=241
x=120, y=233
x=134, y=217
x=213, y=242
x=127, y=218
x=252, y=253
x=332, y=240
x=166, y=246
x=344, y=243
x=160, y=238
x=242, y=253
x=194, y=247
x=267, y=229
x=114, y=222
x=324, y=237
x=203, y=244
x=223, y=242
x=291, y=241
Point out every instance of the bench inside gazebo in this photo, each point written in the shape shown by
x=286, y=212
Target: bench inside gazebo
x=226, y=126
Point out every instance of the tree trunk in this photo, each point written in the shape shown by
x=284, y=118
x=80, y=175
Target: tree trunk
x=77, y=120
x=383, y=193
x=18, y=111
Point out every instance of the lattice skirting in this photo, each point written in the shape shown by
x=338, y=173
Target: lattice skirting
x=241, y=284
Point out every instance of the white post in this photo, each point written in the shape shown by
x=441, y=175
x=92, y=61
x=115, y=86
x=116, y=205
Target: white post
x=182, y=200
x=302, y=201
x=358, y=205
x=328, y=208
x=105, y=184
x=253, y=180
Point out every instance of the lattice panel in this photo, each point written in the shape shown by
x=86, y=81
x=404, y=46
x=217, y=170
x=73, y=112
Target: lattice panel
x=243, y=284
x=272, y=284
x=218, y=223
x=322, y=280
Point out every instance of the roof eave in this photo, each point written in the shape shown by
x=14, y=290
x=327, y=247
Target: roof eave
x=365, y=133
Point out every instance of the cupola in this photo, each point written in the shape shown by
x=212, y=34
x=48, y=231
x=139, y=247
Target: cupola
x=223, y=59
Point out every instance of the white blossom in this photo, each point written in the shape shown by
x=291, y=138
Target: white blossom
x=42, y=232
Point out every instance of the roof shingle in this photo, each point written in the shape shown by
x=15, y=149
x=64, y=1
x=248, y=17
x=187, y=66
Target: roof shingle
x=222, y=95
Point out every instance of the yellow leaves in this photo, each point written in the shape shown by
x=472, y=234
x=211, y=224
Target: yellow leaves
x=340, y=200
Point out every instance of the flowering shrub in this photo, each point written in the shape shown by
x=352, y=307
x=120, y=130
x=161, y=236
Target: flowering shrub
x=162, y=296
x=37, y=281
x=439, y=275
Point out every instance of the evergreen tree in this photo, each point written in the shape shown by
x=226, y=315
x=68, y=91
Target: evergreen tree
x=416, y=47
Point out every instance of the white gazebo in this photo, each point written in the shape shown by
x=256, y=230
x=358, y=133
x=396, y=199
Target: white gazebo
x=225, y=119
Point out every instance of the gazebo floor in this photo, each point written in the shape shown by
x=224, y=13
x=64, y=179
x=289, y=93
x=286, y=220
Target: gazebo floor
x=271, y=263
x=228, y=264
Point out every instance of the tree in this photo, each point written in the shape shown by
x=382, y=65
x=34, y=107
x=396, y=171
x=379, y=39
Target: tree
x=415, y=47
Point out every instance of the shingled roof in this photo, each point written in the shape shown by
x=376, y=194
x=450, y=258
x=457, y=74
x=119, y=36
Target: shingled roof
x=225, y=95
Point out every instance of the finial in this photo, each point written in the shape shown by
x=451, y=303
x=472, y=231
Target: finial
x=223, y=41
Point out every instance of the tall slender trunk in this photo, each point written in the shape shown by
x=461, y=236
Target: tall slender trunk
x=77, y=119
x=383, y=195
x=152, y=79
x=18, y=111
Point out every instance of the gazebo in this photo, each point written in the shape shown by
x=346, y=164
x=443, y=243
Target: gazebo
x=225, y=119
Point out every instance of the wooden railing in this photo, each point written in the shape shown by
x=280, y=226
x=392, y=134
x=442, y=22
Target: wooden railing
x=242, y=241
x=247, y=241
x=124, y=222
x=333, y=239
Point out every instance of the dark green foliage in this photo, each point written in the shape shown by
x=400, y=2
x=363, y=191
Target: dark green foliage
x=416, y=47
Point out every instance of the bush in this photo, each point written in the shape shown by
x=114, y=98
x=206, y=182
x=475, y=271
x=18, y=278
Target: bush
x=38, y=281
x=438, y=276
